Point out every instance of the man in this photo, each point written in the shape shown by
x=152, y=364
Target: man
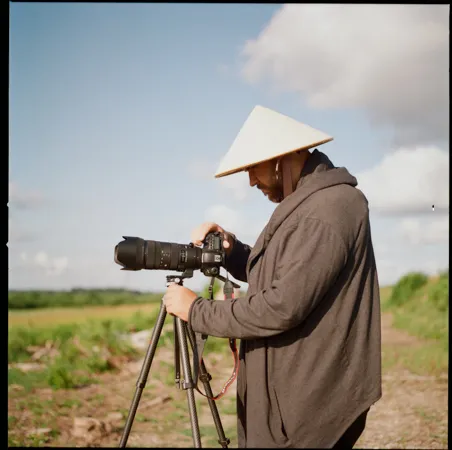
x=309, y=324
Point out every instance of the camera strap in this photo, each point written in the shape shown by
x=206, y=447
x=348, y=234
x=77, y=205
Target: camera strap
x=228, y=290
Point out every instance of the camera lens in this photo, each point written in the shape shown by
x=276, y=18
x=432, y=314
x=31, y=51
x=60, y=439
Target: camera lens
x=130, y=253
x=135, y=254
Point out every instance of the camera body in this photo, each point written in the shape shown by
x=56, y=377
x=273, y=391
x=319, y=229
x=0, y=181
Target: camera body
x=213, y=254
x=136, y=254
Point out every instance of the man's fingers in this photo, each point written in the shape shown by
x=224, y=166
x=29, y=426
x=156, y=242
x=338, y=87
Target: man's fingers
x=200, y=233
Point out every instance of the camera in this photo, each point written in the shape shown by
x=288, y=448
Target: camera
x=136, y=254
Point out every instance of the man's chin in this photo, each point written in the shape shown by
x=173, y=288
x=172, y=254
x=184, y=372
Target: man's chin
x=271, y=195
x=274, y=198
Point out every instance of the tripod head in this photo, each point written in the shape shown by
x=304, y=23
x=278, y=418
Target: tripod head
x=178, y=279
x=189, y=274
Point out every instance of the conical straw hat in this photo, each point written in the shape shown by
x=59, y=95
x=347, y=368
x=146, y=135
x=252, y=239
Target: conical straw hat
x=265, y=135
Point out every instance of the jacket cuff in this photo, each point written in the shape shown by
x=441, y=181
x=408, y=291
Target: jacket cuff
x=190, y=311
x=239, y=253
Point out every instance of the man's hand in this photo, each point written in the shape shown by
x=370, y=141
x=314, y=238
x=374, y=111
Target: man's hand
x=178, y=300
x=199, y=233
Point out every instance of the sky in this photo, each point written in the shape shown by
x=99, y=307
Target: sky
x=119, y=115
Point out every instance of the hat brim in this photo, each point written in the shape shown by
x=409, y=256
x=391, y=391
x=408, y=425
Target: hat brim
x=246, y=166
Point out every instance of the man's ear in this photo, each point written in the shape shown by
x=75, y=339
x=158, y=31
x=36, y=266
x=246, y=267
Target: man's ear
x=287, y=177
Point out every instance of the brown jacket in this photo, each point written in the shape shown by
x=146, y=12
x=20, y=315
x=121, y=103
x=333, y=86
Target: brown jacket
x=310, y=322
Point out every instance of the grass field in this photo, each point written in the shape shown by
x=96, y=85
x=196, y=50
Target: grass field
x=422, y=316
x=422, y=311
x=49, y=317
x=83, y=365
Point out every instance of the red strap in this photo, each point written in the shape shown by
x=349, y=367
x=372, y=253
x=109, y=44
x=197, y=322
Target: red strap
x=233, y=347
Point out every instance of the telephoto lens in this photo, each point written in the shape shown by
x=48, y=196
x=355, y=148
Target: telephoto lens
x=136, y=254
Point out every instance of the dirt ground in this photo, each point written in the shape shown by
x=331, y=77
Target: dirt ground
x=411, y=414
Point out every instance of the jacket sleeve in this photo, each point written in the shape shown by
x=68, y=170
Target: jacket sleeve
x=312, y=256
x=235, y=263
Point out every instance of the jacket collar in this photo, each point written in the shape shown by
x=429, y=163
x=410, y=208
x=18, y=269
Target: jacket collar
x=312, y=179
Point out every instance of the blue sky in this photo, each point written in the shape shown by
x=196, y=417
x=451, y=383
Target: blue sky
x=120, y=114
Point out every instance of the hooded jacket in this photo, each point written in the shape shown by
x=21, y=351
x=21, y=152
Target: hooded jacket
x=309, y=325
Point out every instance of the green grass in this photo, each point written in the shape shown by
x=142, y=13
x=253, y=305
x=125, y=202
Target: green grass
x=29, y=380
x=91, y=331
x=228, y=406
x=78, y=359
x=385, y=294
x=423, y=313
x=82, y=346
x=419, y=307
x=52, y=317
x=427, y=359
x=78, y=298
x=406, y=287
x=423, y=321
x=70, y=403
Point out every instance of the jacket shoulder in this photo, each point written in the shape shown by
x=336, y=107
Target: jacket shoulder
x=344, y=208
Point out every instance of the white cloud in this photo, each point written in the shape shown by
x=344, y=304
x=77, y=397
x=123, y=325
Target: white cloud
x=227, y=218
x=235, y=221
x=17, y=233
x=20, y=199
x=390, y=271
x=419, y=233
x=52, y=266
x=23, y=199
x=58, y=265
x=202, y=170
x=41, y=259
x=237, y=184
x=408, y=181
x=390, y=60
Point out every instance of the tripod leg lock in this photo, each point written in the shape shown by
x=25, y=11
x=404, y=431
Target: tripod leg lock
x=188, y=385
x=205, y=377
x=224, y=442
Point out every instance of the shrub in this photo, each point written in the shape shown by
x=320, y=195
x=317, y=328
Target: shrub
x=444, y=275
x=406, y=287
x=438, y=294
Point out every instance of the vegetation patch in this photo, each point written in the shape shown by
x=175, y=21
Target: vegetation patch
x=79, y=346
x=406, y=287
x=78, y=298
x=419, y=305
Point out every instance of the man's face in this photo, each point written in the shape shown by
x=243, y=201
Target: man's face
x=263, y=176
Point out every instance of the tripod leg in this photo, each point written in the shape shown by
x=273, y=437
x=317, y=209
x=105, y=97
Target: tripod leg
x=205, y=377
x=188, y=382
x=144, y=373
x=176, y=355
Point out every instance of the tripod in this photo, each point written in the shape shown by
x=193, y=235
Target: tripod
x=181, y=333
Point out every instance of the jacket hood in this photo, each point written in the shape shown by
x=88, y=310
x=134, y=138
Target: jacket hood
x=318, y=173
